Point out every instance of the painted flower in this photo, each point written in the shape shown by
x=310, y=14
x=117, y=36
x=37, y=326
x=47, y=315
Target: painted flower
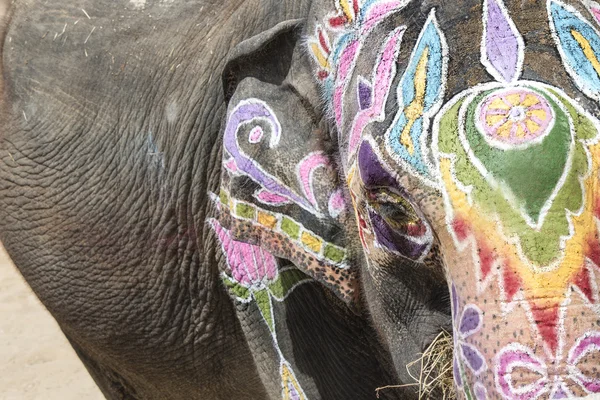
x=518, y=359
x=252, y=274
x=469, y=323
x=515, y=116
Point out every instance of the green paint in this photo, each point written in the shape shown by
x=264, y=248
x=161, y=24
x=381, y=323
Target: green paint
x=286, y=282
x=290, y=227
x=223, y=197
x=245, y=211
x=334, y=253
x=532, y=174
x=263, y=301
x=236, y=290
x=542, y=246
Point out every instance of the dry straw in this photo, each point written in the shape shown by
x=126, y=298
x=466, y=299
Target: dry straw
x=434, y=373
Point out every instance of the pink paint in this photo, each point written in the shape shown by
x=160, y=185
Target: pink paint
x=589, y=343
x=231, y=165
x=345, y=66
x=385, y=71
x=256, y=135
x=270, y=198
x=249, y=265
x=337, y=203
x=305, y=171
x=519, y=357
x=380, y=11
x=596, y=12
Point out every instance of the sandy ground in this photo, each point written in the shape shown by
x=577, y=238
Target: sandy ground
x=36, y=361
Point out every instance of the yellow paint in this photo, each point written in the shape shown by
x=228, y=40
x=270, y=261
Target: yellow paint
x=530, y=101
x=267, y=220
x=288, y=380
x=416, y=109
x=504, y=130
x=312, y=242
x=321, y=58
x=494, y=119
x=539, y=114
x=499, y=104
x=514, y=99
x=347, y=9
x=532, y=126
x=589, y=53
x=541, y=288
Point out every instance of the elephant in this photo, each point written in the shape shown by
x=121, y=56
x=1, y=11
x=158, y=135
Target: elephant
x=310, y=199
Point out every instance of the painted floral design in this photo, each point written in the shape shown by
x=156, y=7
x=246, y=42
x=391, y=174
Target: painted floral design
x=515, y=116
x=252, y=275
x=466, y=324
x=518, y=357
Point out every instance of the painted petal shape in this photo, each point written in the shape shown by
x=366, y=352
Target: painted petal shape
x=263, y=301
x=306, y=170
x=579, y=45
x=480, y=391
x=337, y=203
x=502, y=44
x=270, y=198
x=518, y=356
x=471, y=320
x=472, y=358
x=420, y=95
x=249, y=265
x=286, y=282
x=291, y=387
x=252, y=111
x=585, y=346
x=456, y=370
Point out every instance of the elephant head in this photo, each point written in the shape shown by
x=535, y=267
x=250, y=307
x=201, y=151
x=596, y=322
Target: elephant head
x=447, y=156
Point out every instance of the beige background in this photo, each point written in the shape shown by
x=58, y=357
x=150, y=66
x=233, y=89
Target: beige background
x=36, y=361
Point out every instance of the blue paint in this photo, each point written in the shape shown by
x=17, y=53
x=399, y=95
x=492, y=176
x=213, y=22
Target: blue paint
x=431, y=38
x=580, y=68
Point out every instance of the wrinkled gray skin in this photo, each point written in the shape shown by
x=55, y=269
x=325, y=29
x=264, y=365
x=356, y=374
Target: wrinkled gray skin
x=109, y=143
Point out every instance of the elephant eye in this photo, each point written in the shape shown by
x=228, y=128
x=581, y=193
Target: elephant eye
x=397, y=211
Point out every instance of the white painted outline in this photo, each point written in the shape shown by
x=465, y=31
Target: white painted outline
x=505, y=146
x=520, y=43
x=542, y=370
x=579, y=82
x=514, y=240
x=427, y=116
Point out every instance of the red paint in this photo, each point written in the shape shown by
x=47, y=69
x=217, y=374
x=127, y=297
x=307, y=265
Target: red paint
x=584, y=282
x=546, y=320
x=356, y=9
x=323, y=74
x=487, y=257
x=461, y=229
x=338, y=21
x=592, y=250
x=512, y=282
x=323, y=42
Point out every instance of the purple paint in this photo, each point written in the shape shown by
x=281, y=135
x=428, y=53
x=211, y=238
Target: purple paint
x=392, y=240
x=249, y=111
x=480, y=391
x=470, y=321
x=457, y=376
x=365, y=94
x=560, y=394
x=473, y=358
x=502, y=43
x=372, y=172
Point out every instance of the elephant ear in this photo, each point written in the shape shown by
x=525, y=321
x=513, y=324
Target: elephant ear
x=279, y=187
